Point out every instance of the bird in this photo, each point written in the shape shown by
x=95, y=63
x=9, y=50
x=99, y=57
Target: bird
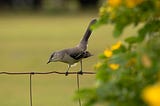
x=75, y=54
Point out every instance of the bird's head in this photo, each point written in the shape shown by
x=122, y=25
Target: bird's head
x=54, y=57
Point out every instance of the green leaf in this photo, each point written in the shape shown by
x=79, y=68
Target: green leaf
x=118, y=30
x=142, y=33
x=150, y=28
x=122, y=49
x=132, y=39
x=102, y=56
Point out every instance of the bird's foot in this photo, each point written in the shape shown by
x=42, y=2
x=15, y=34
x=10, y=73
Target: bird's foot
x=66, y=74
x=80, y=72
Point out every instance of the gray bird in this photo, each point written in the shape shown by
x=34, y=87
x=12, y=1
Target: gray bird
x=75, y=54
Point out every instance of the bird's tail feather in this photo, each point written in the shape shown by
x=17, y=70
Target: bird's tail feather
x=84, y=40
x=88, y=31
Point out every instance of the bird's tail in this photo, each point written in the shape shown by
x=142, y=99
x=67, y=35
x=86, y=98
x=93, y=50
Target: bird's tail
x=84, y=40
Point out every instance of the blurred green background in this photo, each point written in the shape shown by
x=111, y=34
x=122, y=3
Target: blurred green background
x=28, y=37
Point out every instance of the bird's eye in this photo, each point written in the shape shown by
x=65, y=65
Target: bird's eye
x=52, y=55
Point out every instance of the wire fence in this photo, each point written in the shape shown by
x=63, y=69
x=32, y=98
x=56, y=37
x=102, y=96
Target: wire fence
x=43, y=73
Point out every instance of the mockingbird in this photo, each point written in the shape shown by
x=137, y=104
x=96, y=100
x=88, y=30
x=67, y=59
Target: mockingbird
x=75, y=54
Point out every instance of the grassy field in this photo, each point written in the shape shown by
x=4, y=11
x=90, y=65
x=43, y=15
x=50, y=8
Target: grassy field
x=26, y=43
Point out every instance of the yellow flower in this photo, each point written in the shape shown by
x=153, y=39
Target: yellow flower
x=114, y=66
x=108, y=53
x=102, y=11
x=133, y=3
x=116, y=46
x=105, y=9
x=98, y=65
x=114, y=3
x=151, y=95
x=109, y=9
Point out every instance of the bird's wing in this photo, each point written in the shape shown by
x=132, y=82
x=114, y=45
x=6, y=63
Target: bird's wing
x=75, y=53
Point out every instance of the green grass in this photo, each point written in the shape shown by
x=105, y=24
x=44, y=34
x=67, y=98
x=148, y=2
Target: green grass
x=26, y=43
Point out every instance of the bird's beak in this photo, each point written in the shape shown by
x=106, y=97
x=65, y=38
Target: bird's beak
x=48, y=62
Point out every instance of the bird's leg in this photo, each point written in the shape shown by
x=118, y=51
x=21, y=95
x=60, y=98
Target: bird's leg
x=80, y=72
x=69, y=66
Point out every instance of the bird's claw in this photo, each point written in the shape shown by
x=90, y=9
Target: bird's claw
x=66, y=74
x=80, y=72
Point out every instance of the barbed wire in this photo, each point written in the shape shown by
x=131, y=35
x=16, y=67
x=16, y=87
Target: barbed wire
x=49, y=72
